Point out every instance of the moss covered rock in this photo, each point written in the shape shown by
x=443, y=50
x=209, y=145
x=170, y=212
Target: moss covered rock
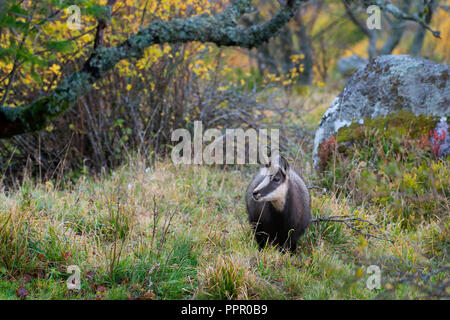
x=392, y=94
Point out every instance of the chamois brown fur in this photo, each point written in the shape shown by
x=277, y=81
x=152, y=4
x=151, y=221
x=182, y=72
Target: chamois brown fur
x=283, y=219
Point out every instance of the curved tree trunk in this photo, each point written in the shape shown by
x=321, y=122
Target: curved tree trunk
x=306, y=50
x=417, y=44
x=398, y=28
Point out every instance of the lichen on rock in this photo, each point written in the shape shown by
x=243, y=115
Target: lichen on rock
x=398, y=88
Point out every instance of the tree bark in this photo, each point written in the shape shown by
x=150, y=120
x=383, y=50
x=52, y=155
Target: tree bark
x=417, y=44
x=306, y=50
x=371, y=34
x=398, y=27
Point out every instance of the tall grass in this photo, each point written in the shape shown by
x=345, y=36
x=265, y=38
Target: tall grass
x=180, y=232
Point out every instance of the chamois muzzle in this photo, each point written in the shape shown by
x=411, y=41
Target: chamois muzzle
x=256, y=196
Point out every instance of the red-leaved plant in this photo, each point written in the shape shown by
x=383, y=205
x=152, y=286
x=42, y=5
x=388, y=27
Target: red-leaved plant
x=437, y=140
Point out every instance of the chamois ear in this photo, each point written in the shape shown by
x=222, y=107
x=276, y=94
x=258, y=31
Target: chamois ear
x=267, y=157
x=284, y=165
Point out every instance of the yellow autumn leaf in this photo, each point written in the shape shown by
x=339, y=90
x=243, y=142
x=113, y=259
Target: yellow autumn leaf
x=55, y=69
x=359, y=273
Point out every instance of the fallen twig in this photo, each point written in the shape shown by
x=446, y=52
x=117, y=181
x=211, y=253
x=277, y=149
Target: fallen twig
x=347, y=220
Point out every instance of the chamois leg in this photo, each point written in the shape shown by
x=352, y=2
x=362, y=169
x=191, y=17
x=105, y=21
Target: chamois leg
x=261, y=239
x=290, y=245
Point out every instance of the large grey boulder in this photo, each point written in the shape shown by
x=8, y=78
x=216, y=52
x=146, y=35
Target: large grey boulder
x=387, y=85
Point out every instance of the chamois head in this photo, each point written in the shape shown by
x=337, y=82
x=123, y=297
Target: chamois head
x=274, y=185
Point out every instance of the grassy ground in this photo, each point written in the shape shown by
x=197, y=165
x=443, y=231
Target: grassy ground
x=181, y=232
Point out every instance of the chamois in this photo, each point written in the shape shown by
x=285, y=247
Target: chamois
x=278, y=205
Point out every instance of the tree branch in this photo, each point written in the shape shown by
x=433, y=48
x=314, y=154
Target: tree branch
x=419, y=37
x=398, y=28
x=401, y=15
x=102, y=23
x=371, y=34
x=348, y=220
x=355, y=20
x=222, y=29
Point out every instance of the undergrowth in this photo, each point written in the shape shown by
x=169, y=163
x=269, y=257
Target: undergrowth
x=181, y=233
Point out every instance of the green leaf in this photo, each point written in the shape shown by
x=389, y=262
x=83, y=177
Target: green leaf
x=99, y=12
x=7, y=53
x=60, y=46
x=36, y=77
x=16, y=9
x=25, y=55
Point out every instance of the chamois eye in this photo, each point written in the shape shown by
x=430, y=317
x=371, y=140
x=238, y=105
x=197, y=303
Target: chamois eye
x=276, y=179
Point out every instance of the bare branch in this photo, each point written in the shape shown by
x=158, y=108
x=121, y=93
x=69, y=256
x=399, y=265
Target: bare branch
x=401, y=15
x=102, y=23
x=355, y=20
x=348, y=220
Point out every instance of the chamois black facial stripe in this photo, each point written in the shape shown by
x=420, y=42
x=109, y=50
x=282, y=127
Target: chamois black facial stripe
x=272, y=186
x=268, y=189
